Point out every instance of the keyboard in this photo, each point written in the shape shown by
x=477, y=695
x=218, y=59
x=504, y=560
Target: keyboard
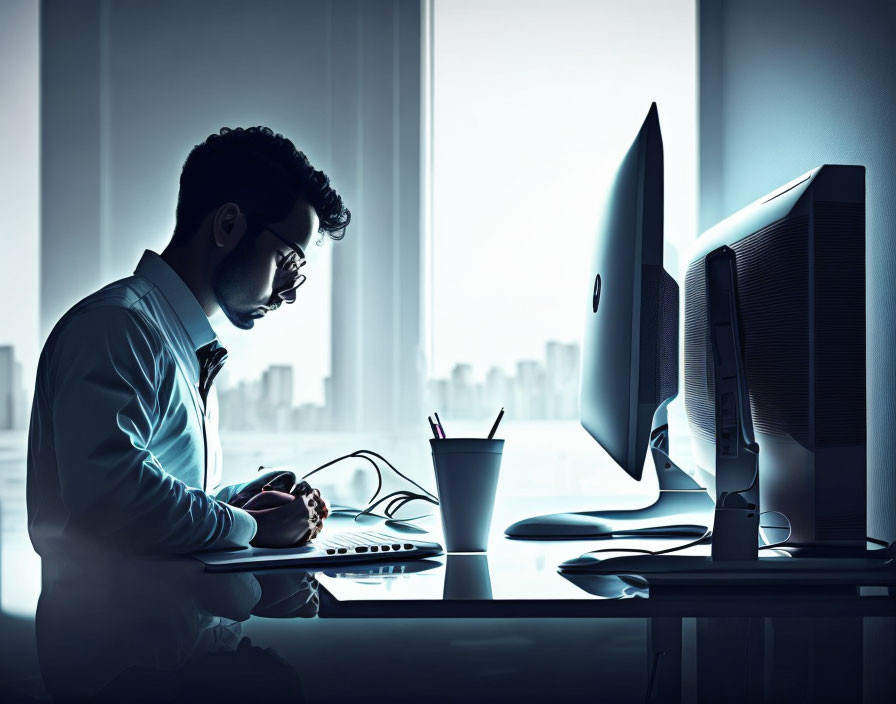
x=340, y=548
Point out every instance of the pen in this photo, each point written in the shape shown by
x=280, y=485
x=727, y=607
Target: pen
x=432, y=425
x=439, y=424
x=495, y=426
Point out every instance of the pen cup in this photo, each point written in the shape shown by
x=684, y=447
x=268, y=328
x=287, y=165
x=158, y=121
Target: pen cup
x=467, y=578
x=466, y=476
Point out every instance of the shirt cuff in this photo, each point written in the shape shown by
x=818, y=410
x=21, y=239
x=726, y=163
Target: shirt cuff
x=244, y=529
x=225, y=493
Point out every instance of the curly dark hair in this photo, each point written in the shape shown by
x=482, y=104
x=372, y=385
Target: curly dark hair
x=260, y=171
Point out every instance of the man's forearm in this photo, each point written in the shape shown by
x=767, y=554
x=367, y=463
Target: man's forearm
x=244, y=529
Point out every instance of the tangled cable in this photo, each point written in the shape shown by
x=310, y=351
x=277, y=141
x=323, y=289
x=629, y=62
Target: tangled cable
x=397, y=499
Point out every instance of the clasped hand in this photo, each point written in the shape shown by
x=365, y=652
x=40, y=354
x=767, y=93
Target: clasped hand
x=287, y=513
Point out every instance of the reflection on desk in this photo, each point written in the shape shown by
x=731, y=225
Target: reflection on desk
x=118, y=628
x=112, y=627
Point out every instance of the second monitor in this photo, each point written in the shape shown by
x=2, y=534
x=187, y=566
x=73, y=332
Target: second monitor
x=630, y=358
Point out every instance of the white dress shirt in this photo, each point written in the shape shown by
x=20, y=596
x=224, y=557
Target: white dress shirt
x=120, y=447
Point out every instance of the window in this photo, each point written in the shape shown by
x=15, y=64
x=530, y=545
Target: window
x=533, y=106
x=19, y=273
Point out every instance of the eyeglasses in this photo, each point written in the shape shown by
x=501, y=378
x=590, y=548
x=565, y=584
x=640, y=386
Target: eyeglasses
x=290, y=265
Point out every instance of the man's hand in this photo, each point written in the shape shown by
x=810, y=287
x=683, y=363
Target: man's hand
x=317, y=504
x=285, y=520
x=287, y=594
x=287, y=514
x=279, y=479
x=282, y=526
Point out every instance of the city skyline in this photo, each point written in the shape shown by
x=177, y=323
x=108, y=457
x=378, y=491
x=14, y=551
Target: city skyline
x=544, y=389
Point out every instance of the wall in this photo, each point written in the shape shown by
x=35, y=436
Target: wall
x=785, y=87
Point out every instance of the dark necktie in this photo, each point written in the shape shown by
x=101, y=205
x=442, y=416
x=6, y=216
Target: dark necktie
x=211, y=358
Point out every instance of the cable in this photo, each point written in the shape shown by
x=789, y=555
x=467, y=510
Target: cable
x=699, y=541
x=392, y=467
x=789, y=529
x=379, y=474
x=407, y=495
x=703, y=539
x=708, y=535
x=400, y=502
x=362, y=454
x=395, y=504
x=398, y=498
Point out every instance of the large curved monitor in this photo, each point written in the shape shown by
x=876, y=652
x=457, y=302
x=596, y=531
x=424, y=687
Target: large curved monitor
x=630, y=357
x=630, y=350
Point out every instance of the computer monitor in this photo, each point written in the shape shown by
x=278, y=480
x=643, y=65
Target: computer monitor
x=792, y=407
x=630, y=346
x=630, y=355
x=800, y=254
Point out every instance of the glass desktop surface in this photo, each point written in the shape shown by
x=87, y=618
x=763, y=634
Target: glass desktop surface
x=511, y=570
x=494, y=576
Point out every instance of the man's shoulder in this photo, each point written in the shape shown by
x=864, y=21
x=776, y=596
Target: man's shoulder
x=124, y=293
x=117, y=306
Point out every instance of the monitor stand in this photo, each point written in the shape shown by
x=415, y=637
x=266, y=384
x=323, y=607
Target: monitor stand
x=682, y=510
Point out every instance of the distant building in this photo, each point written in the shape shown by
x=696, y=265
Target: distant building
x=562, y=382
x=530, y=391
x=308, y=417
x=266, y=404
x=240, y=407
x=329, y=421
x=462, y=394
x=497, y=390
x=276, y=385
x=7, y=388
x=20, y=402
x=535, y=392
x=275, y=406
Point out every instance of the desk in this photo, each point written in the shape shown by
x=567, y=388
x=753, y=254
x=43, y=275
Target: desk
x=109, y=624
x=167, y=629
x=783, y=645
x=519, y=579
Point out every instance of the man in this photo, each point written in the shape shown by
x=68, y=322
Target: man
x=122, y=444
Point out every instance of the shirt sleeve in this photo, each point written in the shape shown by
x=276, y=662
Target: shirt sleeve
x=226, y=493
x=109, y=367
x=243, y=531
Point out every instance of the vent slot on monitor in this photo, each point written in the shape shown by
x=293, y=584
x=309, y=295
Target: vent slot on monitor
x=773, y=298
x=839, y=324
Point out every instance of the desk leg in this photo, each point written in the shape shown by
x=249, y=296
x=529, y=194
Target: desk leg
x=814, y=659
x=730, y=659
x=664, y=661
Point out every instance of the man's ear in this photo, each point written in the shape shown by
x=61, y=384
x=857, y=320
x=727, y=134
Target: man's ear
x=228, y=225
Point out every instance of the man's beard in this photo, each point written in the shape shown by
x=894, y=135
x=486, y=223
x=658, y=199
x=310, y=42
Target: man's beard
x=227, y=282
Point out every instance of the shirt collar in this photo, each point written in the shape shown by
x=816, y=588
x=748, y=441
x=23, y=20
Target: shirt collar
x=179, y=296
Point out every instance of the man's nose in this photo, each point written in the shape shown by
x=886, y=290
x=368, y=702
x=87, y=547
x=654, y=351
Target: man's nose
x=289, y=295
